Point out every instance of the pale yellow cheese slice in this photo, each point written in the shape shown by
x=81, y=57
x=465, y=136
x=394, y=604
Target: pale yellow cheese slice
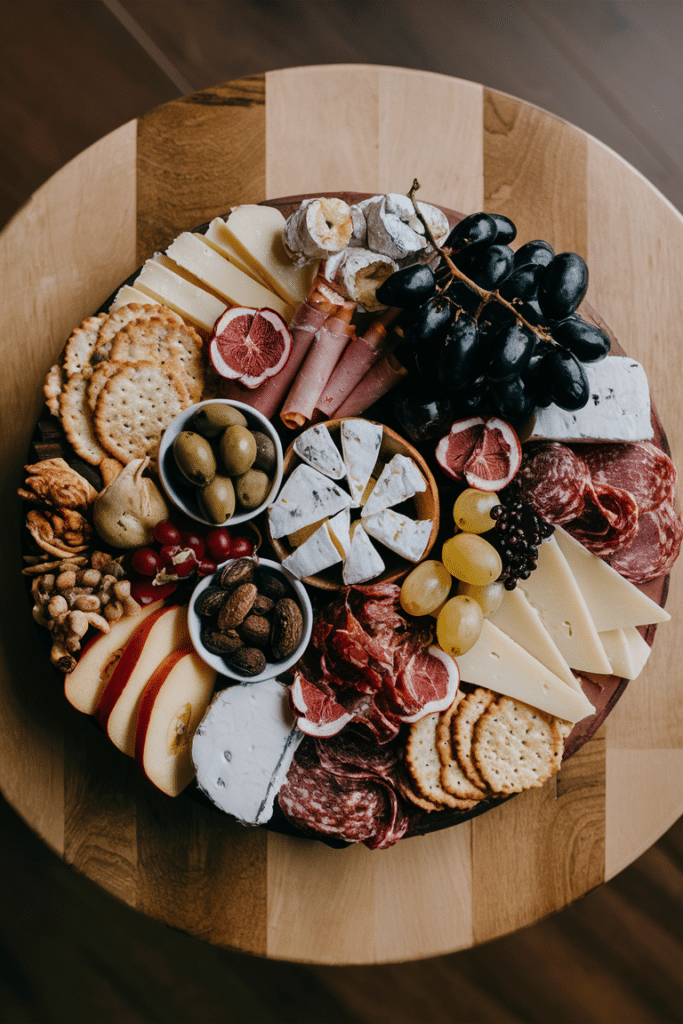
x=626, y=650
x=522, y=623
x=216, y=236
x=499, y=664
x=255, y=233
x=192, y=253
x=126, y=294
x=193, y=303
x=612, y=601
x=555, y=594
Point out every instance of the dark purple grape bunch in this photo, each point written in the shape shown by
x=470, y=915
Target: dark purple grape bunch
x=505, y=340
x=518, y=532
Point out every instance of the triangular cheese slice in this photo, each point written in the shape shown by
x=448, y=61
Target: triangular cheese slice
x=627, y=651
x=498, y=663
x=361, y=442
x=554, y=593
x=363, y=561
x=306, y=497
x=315, y=554
x=522, y=623
x=612, y=601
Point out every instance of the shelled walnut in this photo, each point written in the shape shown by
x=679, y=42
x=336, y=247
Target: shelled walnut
x=72, y=595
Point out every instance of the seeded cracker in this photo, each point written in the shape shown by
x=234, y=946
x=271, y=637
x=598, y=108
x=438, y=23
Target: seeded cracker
x=159, y=342
x=80, y=346
x=77, y=421
x=424, y=765
x=515, y=746
x=117, y=320
x=134, y=408
x=468, y=712
x=453, y=778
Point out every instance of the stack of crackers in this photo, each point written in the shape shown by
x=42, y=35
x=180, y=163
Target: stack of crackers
x=124, y=376
x=484, y=745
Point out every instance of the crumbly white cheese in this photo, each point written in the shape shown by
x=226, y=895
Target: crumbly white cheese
x=363, y=562
x=361, y=442
x=618, y=408
x=243, y=748
x=407, y=537
x=395, y=230
x=316, y=447
x=359, y=273
x=306, y=497
x=399, y=480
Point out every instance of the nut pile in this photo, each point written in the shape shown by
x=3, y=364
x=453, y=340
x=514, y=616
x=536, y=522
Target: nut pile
x=73, y=594
x=250, y=616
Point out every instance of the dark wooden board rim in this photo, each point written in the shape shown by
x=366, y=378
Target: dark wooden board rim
x=603, y=691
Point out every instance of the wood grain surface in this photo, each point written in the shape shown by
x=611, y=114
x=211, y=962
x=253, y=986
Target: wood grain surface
x=292, y=131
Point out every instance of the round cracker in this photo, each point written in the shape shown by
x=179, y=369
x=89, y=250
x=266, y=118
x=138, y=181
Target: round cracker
x=77, y=420
x=424, y=765
x=165, y=344
x=117, y=320
x=100, y=376
x=453, y=778
x=134, y=408
x=516, y=747
x=80, y=345
x=52, y=388
x=467, y=714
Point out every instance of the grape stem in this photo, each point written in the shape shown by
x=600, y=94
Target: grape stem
x=484, y=295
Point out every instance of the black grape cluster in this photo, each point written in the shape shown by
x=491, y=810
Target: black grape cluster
x=491, y=331
x=518, y=532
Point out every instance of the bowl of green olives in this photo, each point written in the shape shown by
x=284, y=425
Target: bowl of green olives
x=220, y=462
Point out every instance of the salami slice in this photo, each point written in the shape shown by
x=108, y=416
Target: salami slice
x=555, y=480
x=609, y=520
x=642, y=469
x=654, y=548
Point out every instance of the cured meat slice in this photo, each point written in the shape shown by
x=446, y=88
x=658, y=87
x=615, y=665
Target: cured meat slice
x=318, y=714
x=555, y=480
x=642, y=469
x=654, y=548
x=609, y=520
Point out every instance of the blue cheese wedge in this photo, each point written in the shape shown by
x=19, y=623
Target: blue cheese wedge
x=499, y=664
x=627, y=651
x=243, y=748
x=618, y=408
x=407, y=537
x=317, y=553
x=361, y=442
x=613, y=602
x=316, y=447
x=306, y=497
x=363, y=562
x=399, y=480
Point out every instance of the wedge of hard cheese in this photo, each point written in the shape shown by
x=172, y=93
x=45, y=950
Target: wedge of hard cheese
x=498, y=663
x=164, y=285
x=627, y=651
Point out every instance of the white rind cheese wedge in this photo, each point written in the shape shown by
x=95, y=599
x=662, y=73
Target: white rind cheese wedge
x=194, y=255
x=363, y=562
x=340, y=528
x=243, y=748
x=407, y=537
x=306, y=497
x=315, y=554
x=499, y=664
x=189, y=300
x=618, y=408
x=255, y=232
x=555, y=594
x=613, y=602
x=399, y=480
x=627, y=651
x=361, y=442
x=521, y=622
x=316, y=447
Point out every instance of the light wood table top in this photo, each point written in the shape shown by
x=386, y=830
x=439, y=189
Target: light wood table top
x=322, y=129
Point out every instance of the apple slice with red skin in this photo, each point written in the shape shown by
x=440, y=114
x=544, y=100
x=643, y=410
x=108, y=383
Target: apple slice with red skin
x=98, y=658
x=171, y=707
x=161, y=633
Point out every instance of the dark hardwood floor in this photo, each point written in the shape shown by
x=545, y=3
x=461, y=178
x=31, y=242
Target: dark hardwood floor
x=72, y=70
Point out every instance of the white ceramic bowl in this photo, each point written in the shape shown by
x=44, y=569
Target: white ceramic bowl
x=181, y=493
x=273, y=668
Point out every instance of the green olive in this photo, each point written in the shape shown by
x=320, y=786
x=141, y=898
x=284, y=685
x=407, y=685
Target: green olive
x=237, y=450
x=194, y=458
x=211, y=420
x=252, y=489
x=266, y=458
x=217, y=500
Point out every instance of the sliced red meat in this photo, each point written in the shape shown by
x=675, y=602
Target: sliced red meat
x=317, y=801
x=609, y=520
x=642, y=468
x=555, y=481
x=655, y=547
x=427, y=681
x=317, y=713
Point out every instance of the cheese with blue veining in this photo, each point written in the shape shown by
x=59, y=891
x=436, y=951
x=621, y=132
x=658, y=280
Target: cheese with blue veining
x=306, y=497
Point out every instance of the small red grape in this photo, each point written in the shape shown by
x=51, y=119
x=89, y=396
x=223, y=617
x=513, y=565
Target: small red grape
x=167, y=554
x=194, y=541
x=206, y=568
x=185, y=568
x=241, y=547
x=166, y=533
x=219, y=543
x=146, y=561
